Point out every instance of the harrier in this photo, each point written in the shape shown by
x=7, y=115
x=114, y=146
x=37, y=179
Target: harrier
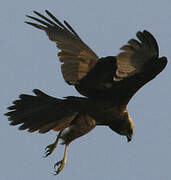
x=107, y=84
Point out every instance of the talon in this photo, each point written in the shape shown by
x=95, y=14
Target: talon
x=57, y=164
x=62, y=165
x=49, y=149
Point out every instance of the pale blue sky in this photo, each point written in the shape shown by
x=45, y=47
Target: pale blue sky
x=28, y=60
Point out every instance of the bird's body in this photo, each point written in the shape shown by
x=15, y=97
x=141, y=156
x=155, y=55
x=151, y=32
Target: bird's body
x=107, y=83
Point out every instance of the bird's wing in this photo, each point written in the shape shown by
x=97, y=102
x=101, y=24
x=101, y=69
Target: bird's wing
x=137, y=64
x=76, y=57
x=135, y=55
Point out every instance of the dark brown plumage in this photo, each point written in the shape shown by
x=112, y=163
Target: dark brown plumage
x=108, y=84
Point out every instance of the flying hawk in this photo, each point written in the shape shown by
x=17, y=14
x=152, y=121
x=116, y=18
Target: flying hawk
x=107, y=85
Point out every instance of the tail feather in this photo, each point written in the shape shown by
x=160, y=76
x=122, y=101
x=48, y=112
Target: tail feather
x=40, y=112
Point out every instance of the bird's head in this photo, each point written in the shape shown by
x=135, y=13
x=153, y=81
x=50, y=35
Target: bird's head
x=123, y=126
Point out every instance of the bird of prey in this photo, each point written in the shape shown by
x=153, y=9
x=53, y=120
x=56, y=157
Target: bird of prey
x=107, y=84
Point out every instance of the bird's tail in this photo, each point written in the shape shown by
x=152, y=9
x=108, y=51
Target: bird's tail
x=41, y=112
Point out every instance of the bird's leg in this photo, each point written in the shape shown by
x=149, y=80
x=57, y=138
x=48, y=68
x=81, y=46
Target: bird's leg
x=61, y=163
x=50, y=148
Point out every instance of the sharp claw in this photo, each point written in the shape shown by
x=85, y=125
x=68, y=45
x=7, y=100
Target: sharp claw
x=62, y=165
x=46, y=154
x=56, y=164
x=49, y=149
x=46, y=148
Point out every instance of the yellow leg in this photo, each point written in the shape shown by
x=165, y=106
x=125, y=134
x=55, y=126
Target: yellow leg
x=62, y=163
x=50, y=148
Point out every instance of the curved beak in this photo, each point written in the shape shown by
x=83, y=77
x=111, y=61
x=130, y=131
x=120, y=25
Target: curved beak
x=129, y=138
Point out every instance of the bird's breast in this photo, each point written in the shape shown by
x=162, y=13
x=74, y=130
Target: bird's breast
x=104, y=117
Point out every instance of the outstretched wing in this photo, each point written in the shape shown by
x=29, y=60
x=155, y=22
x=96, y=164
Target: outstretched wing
x=137, y=64
x=135, y=54
x=76, y=57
